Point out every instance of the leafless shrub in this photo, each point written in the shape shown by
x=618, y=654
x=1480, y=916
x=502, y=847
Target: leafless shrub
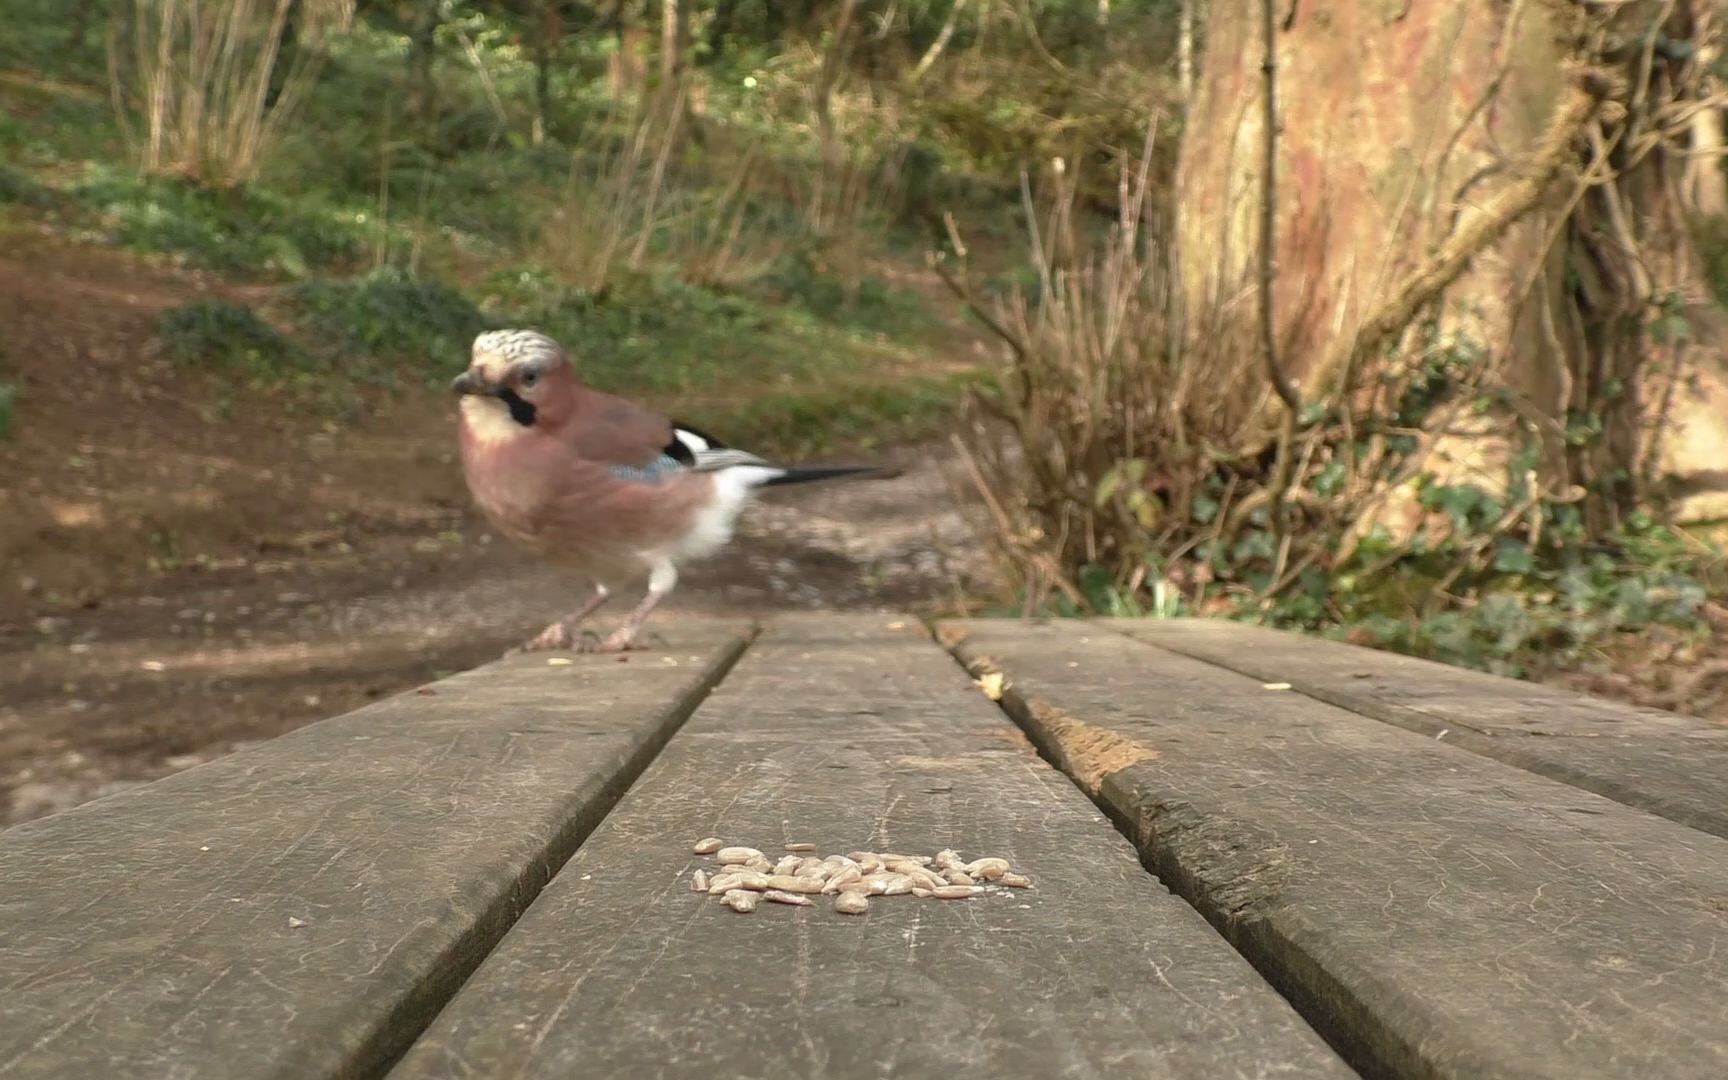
x=1106, y=425
x=192, y=80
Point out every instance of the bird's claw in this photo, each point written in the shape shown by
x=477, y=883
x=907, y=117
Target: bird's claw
x=556, y=636
x=622, y=641
x=564, y=636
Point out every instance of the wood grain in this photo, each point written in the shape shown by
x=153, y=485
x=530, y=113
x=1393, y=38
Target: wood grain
x=1438, y=913
x=848, y=733
x=1672, y=765
x=301, y=909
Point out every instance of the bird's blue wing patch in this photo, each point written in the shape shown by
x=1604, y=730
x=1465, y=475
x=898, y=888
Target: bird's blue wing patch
x=651, y=473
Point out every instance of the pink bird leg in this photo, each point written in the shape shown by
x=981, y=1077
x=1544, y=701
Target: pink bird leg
x=562, y=634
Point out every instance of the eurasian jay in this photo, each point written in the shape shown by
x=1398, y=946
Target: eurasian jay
x=594, y=482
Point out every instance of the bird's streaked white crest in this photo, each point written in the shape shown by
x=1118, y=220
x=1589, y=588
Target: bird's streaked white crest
x=496, y=350
x=493, y=352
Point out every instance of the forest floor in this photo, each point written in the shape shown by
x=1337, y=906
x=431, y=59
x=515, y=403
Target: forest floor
x=189, y=566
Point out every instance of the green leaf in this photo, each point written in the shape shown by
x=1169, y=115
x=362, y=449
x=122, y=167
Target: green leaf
x=1254, y=545
x=1330, y=479
x=1513, y=557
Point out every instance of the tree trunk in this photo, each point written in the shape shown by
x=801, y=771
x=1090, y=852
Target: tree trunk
x=1407, y=128
x=548, y=34
x=674, y=31
x=827, y=78
x=1706, y=184
x=626, y=67
x=720, y=21
x=422, y=51
x=934, y=52
x=1185, y=51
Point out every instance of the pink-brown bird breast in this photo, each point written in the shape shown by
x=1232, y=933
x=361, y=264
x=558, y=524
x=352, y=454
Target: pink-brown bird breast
x=541, y=494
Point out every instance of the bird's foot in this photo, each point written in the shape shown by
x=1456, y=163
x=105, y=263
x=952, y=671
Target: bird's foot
x=560, y=635
x=620, y=641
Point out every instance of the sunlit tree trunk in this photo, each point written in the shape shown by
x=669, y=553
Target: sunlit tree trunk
x=674, y=32
x=943, y=36
x=1404, y=124
x=1706, y=185
x=1185, y=50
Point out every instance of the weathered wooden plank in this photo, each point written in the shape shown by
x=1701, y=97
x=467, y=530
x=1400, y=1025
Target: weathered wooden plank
x=1672, y=765
x=301, y=909
x=848, y=733
x=1438, y=913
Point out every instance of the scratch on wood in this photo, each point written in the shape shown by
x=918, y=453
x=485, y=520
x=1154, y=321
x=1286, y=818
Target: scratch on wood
x=955, y=761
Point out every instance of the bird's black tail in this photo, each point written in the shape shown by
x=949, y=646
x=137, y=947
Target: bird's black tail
x=831, y=472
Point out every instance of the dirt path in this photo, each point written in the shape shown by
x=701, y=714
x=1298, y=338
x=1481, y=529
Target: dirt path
x=203, y=663
x=188, y=564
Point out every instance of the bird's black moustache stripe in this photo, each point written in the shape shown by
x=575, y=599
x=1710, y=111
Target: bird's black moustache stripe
x=521, y=410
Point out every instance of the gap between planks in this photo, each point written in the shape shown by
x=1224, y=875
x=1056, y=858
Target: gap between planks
x=1648, y=759
x=1421, y=1010
x=393, y=1039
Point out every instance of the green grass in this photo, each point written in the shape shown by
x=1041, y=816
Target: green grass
x=20, y=190
x=834, y=415
x=235, y=231
x=768, y=376
x=656, y=334
x=767, y=371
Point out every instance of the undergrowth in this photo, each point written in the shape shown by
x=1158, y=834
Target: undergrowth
x=1484, y=570
x=767, y=375
x=222, y=336
x=1145, y=482
x=232, y=231
x=834, y=413
x=1526, y=609
x=389, y=317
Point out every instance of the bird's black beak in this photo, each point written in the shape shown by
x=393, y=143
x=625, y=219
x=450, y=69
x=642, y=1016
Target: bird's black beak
x=471, y=382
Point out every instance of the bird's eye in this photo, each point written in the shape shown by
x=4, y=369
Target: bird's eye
x=529, y=378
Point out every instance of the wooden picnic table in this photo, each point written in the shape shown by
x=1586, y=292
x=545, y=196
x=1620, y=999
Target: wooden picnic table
x=1253, y=855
